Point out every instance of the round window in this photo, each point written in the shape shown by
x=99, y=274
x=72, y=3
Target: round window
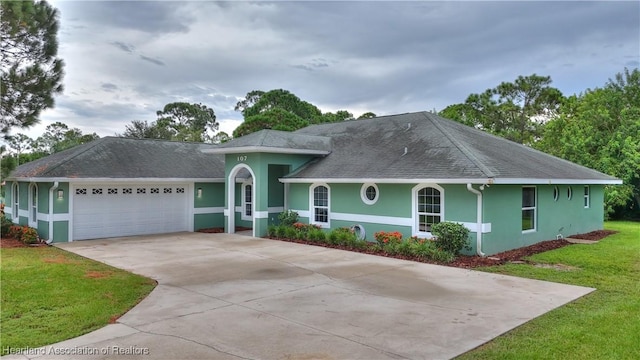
x=569, y=193
x=556, y=193
x=369, y=193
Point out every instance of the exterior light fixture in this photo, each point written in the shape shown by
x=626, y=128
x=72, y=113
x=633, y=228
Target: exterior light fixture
x=60, y=194
x=199, y=192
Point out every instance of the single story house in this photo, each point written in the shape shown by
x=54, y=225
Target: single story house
x=392, y=173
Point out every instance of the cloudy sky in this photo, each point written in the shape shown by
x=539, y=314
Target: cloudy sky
x=125, y=60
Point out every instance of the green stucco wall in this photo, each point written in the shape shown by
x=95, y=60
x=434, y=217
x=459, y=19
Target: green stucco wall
x=43, y=197
x=205, y=221
x=61, y=206
x=503, y=208
x=60, y=231
x=212, y=195
x=394, y=200
x=276, y=188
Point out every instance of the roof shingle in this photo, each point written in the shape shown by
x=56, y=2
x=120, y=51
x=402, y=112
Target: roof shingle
x=426, y=146
x=113, y=157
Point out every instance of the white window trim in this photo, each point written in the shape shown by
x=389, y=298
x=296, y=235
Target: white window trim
x=414, y=208
x=556, y=193
x=312, y=211
x=363, y=193
x=15, y=202
x=534, y=208
x=587, y=196
x=243, y=213
x=569, y=193
x=33, y=202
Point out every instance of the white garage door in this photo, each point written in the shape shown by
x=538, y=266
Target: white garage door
x=101, y=211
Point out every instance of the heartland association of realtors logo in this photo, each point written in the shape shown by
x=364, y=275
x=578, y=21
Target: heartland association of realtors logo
x=79, y=350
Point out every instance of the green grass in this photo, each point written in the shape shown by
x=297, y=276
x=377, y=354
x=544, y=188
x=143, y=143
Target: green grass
x=602, y=325
x=50, y=295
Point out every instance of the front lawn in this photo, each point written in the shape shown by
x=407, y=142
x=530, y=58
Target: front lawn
x=50, y=295
x=602, y=325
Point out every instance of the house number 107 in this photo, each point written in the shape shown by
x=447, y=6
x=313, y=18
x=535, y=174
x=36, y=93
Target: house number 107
x=242, y=158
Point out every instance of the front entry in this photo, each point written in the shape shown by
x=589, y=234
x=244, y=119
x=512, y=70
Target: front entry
x=241, y=199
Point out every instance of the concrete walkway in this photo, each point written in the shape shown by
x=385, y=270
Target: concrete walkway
x=223, y=296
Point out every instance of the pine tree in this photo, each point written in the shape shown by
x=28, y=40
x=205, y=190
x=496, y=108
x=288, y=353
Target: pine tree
x=31, y=72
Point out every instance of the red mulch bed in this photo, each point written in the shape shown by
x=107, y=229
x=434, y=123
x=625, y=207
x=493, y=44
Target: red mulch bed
x=13, y=243
x=469, y=262
x=594, y=235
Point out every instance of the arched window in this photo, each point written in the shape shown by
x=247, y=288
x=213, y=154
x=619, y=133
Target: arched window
x=429, y=208
x=33, y=205
x=15, y=196
x=320, y=205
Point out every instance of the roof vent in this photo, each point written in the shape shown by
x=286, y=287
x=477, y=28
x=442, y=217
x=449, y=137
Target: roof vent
x=408, y=127
x=406, y=150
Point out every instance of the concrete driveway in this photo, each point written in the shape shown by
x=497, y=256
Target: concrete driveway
x=222, y=296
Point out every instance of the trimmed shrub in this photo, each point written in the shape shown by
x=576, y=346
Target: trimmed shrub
x=385, y=237
x=27, y=235
x=440, y=255
x=451, y=237
x=281, y=231
x=288, y=218
x=290, y=233
x=5, y=224
x=316, y=234
x=271, y=230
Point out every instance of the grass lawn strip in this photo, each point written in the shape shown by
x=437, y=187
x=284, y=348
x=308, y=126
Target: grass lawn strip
x=50, y=295
x=602, y=325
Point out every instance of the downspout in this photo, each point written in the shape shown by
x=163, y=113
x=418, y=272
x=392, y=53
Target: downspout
x=52, y=190
x=478, y=219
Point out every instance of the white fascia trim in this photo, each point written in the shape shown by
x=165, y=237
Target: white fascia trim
x=383, y=181
x=478, y=181
x=527, y=181
x=390, y=220
x=122, y=180
x=56, y=217
x=374, y=219
x=303, y=213
x=266, y=149
x=486, y=227
x=209, y=210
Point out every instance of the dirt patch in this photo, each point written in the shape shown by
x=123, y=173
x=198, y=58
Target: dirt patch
x=559, y=267
x=58, y=259
x=97, y=274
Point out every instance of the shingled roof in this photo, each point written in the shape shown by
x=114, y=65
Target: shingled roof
x=113, y=157
x=276, y=142
x=423, y=146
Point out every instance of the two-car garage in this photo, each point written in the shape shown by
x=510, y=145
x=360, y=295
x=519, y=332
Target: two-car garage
x=113, y=210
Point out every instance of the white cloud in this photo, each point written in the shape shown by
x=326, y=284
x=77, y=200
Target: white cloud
x=125, y=60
